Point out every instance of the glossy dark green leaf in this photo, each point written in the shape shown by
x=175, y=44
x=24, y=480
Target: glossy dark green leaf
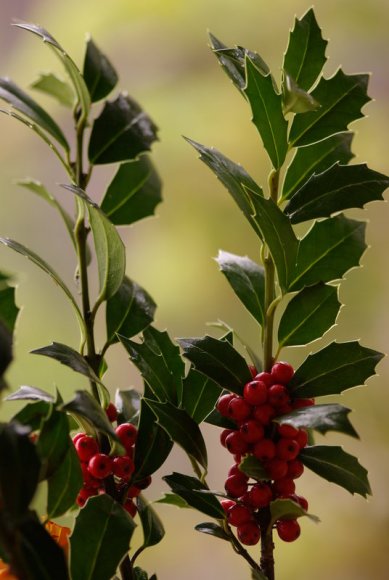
x=316, y=158
x=200, y=394
x=153, y=530
x=181, y=428
x=54, y=442
x=30, y=393
x=8, y=315
x=108, y=528
x=81, y=90
x=173, y=499
x=233, y=176
x=214, y=418
x=45, y=267
x=305, y=55
x=189, y=488
x=252, y=467
x=65, y=483
x=50, y=84
x=278, y=234
x=309, y=315
x=213, y=530
x=127, y=403
x=33, y=414
x=337, y=466
x=266, y=106
x=247, y=280
x=121, y=132
x=294, y=98
x=322, y=418
x=217, y=360
x=99, y=75
x=23, y=103
x=287, y=509
x=69, y=357
x=232, y=60
x=86, y=406
x=160, y=363
x=19, y=468
x=337, y=188
x=329, y=249
x=134, y=192
x=335, y=368
x=129, y=311
x=341, y=98
x=153, y=444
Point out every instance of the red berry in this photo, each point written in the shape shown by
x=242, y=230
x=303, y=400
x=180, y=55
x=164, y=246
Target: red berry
x=86, y=447
x=77, y=436
x=260, y=495
x=84, y=494
x=133, y=491
x=239, y=409
x=227, y=504
x=89, y=480
x=276, y=468
x=301, y=403
x=264, y=449
x=123, y=467
x=249, y=533
x=282, y=372
x=235, y=485
x=295, y=468
x=264, y=413
x=278, y=396
x=234, y=470
x=253, y=371
x=251, y=431
x=239, y=514
x=302, y=438
x=127, y=433
x=130, y=507
x=223, y=402
x=287, y=449
x=144, y=483
x=288, y=530
x=288, y=431
x=284, y=486
x=224, y=434
x=255, y=392
x=265, y=378
x=100, y=466
x=302, y=501
x=235, y=443
x=112, y=412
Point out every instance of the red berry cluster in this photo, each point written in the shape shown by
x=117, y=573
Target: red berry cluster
x=97, y=466
x=276, y=446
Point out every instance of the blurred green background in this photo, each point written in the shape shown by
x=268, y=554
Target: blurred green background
x=160, y=50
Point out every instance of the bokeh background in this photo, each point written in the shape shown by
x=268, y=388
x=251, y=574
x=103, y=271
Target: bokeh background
x=160, y=50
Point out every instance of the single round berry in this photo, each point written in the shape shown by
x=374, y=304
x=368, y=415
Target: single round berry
x=278, y=395
x=264, y=450
x=295, y=468
x=123, y=467
x=251, y=431
x=255, y=392
x=282, y=372
x=224, y=434
x=239, y=514
x=260, y=495
x=234, y=470
x=276, y=468
x=301, y=403
x=100, y=466
x=130, y=507
x=264, y=413
x=287, y=449
x=288, y=431
x=86, y=447
x=288, y=530
x=127, y=433
x=235, y=443
x=235, y=485
x=84, y=494
x=284, y=486
x=239, y=409
x=302, y=501
x=111, y=412
x=227, y=504
x=249, y=533
x=302, y=438
x=265, y=378
x=77, y=436
x=223, y=402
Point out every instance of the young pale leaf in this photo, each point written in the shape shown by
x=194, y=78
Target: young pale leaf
x=213, y=530
x=199, y=395
x=53, y=442
x=234, y=177
x=247, y=280
x=337, y=188
x=134, y=192
x=50, y=84
x=121, y=132
x=322, y=418
x=109, y=529
x=232, y=60
x=217, y=360
x=127, y=403
x=309, y=315
x=315, y=159
x=153, y=530
x=266, y=106
x=341, y=98
x=278, y=234
x=23, y=103
x=46, y=268
x=294, y=98
x=181, y=428
x=129, y=311
x=190, y=489
x=305, y=55
x=86, y=406
x=64, y=485
x=329, y=249
x=99, y=75
x=252, y=467
x=335, y=368
x=81, y=90
x=337, y=466
x=69, y=357
x=287, y=509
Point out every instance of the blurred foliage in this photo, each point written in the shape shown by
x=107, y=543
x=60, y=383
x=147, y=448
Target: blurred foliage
x=160, y=47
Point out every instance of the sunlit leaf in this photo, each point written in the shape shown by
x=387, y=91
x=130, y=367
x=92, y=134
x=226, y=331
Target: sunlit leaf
x=295, y=99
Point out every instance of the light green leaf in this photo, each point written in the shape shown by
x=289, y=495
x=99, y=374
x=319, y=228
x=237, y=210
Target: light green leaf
x=287, y=509
x=295, y=99
x=50, y=84
x=252, y=467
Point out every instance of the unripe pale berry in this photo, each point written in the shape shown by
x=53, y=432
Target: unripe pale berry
x=288, y=530
x=249, y=533
x=282, y=372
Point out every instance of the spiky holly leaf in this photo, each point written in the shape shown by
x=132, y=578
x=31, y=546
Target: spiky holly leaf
x=191, y=490
x=335, y=368
x=287, y=509
x=99, y=74
x=199, y=396
x=341, y=98
x=337, y=466
x=337, y=188
x=322, y=418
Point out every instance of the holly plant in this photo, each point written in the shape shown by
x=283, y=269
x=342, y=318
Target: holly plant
x=268, y=411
